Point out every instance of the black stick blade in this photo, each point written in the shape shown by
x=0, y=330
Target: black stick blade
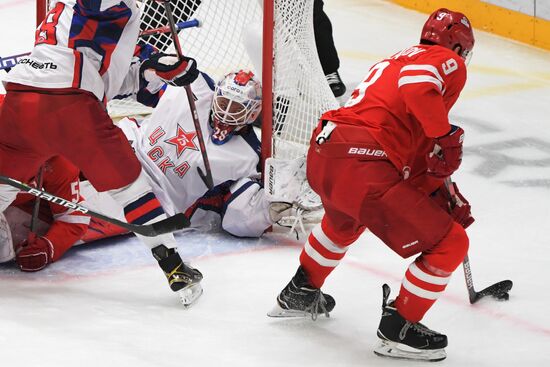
x=496, y=290
x=171, y=224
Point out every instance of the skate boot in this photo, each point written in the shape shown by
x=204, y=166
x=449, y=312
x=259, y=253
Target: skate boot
x=182, y=278
x=402, y=339
x=336, y=85
x=300, y=298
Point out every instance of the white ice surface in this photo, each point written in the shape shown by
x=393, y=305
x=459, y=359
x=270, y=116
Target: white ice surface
x=108, y=304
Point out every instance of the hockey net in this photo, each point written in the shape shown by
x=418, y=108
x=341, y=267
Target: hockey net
x=230, y=38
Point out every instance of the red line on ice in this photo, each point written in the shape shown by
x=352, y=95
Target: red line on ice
x=458, y=301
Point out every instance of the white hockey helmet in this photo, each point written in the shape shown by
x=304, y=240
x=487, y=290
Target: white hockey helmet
x=237, y=102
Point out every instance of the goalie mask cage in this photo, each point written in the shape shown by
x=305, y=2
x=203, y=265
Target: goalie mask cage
x=230, y=37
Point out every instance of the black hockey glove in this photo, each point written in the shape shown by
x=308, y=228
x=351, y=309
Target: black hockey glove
x=170, y=69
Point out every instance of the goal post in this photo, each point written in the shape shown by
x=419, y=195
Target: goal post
x=267, y=81
x=41, y=9
x=273, y=38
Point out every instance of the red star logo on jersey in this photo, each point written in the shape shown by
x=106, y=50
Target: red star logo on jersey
x=183, y=140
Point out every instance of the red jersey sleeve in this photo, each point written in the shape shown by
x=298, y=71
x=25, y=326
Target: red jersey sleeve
x=430, y=87
x=61, y=178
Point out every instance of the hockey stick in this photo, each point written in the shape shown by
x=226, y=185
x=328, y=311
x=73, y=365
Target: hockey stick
x=498, y=290
x=8, y=62
x=206, y=178
x=191, y=23
x=36, y=207
x=171, y=224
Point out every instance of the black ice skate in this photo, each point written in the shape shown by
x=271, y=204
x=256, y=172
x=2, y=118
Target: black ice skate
x=402, y=339
x=182, y=278
x=336, y=85
x=299, y=298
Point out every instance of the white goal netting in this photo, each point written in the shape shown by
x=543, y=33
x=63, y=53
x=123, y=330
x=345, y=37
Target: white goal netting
x=230, y=38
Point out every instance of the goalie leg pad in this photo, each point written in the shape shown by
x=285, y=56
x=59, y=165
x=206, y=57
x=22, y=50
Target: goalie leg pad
x=284, y=179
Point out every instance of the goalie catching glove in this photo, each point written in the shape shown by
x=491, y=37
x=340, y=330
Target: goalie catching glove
x=170, y=69
x=446, y=156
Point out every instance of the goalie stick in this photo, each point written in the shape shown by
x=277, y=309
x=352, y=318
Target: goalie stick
x=170, y=224
x=8, y=62
x=206, y=178
x=191, y=23
x=498, y=290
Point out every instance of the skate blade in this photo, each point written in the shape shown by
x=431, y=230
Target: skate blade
x=190, y=294
x=390, y=349
x=278, y=311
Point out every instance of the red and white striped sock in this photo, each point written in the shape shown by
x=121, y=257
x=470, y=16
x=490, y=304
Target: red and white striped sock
x=421, y=287
x=428, y=276
x=320, y=256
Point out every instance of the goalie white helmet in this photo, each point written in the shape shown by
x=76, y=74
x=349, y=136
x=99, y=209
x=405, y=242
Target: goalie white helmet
x=237, y=103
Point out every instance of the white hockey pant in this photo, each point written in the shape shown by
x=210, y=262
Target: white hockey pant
x=131, y=194
x=7, y=196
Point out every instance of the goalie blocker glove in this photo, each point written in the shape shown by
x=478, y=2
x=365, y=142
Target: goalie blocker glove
x=170, y=69
x=446, y=156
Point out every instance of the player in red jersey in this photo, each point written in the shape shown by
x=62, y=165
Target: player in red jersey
x=34, y=253
x=379, y=163
x=55, y=105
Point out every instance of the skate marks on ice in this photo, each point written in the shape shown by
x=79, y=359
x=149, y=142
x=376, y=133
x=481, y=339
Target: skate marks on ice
x=125, y=253
x=501, y=154
x=101, y=257
x=528, y=153
x=265, y=266
x=489, y=308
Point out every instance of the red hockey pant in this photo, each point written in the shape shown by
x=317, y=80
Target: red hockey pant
x=36, y=125
x=360, y=194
